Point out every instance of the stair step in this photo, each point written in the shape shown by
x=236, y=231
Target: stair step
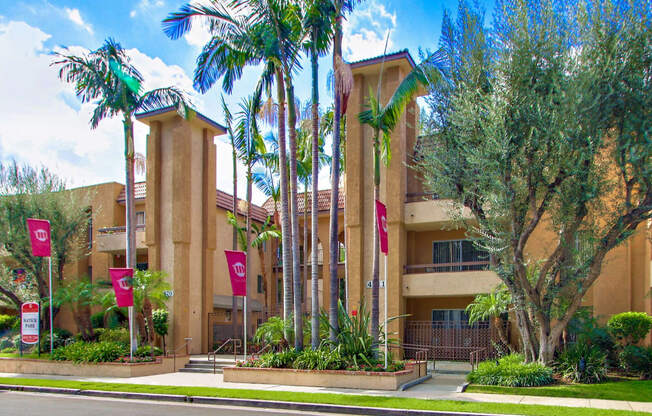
x=200, y=370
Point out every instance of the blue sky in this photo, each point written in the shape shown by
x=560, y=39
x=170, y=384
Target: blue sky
x=42, y=122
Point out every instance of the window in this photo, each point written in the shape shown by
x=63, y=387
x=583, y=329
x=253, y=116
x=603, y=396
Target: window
x=141, y=266
x=260, y=284
x=90, y=230
x=448, y=253
x=279, y=291
x=90, y=273
x=342, y=252
x=227, y=317
x=451, y=318
x=140, y=218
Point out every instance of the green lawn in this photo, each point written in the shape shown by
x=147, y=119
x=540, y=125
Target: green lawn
x=327, y=398
x=44, y=356
x=620, y=389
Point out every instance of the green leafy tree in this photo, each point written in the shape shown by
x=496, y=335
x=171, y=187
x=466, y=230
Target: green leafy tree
x=28, y=192
x=161, y=324
x=107, y=78
x=545, y=130
x=150, y=291
x=79, y=296
x=492, y=306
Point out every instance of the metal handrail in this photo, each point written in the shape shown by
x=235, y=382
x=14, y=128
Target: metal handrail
x=420, y=355
x=236, y=343
x=474, y=358
x=260, y=351
x=174, y=352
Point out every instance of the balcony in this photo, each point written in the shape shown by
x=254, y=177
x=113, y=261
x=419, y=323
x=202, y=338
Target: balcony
x=424, y=211
x=114, y=240
x=448, y=279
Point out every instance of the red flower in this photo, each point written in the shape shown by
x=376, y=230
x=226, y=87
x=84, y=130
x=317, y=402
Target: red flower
x=354, y=313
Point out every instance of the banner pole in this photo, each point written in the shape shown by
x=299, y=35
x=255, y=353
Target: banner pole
x=245, y=327
x=131, y=333
x=386, y=329
x=51, y=327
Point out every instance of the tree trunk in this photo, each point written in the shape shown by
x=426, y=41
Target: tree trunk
x=333, y=250
x=129, y=196
x=248, y=243
x=375, y=282
x=234, y=299
x=294, y=212
x=304, y=279
x=147, y=313
x=285, y=208
x=314, y=267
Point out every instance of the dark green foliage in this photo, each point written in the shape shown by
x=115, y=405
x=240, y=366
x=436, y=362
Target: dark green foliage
x=636, y=360
x=353, y=339
x=91, y=352
x=61, y=336
x=97, y=320
x=119, y=335
x=145, y=351
x=320, y=359
x=160, y=318
x=511, y=371
x=630, y=327
x=583, y=363
x=7, y=323
x=588, y=330
x=283, y=359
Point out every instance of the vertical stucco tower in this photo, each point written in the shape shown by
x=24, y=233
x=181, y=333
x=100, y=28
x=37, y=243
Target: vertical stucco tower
x=180, y=217
x=360, y=184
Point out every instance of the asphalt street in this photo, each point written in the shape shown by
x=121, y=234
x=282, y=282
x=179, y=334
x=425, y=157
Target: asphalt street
x=16, y=404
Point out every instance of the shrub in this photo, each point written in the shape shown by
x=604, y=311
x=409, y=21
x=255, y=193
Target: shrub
x=583, y=363
x=8, y=323
x=8, y=350
x=91, y=352
x=630, y=327
x=119, y=335
x=283, y=359
x=320, y=359
x=636, y=360
x=145, y=351
x=61, y=336
x=97, y=320
x=511, y=371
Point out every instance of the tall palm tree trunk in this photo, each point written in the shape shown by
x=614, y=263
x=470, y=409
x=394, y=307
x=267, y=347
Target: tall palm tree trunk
x=294, y=211
x=285, y=212
x=314, y=271
x=234, y=299
x=304, y=279
x=130, y=202
x=335, y=191
x=248, y=243
x=375, y=310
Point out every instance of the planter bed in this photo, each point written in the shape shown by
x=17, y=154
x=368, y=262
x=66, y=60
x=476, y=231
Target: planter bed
x=366, y=380
x=162, y=365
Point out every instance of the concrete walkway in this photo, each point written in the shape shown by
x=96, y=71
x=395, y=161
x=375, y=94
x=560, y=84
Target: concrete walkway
x=441, y=386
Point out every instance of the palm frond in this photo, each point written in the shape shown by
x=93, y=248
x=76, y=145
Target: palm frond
x=179, y=23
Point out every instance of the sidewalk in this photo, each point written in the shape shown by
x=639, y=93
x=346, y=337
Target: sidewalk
x=441, y=387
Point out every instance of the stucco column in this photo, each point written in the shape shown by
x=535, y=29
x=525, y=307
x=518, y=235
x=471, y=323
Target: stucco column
x=324, y=239
x=208, y=235
x=153, y=203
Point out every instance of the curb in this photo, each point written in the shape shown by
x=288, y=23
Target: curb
x=222, y=401
x=413, y=383
x=462, y=387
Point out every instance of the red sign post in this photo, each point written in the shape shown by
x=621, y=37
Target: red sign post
x=40, y=237
x=122, y=281
x=29, y=323
x=381, y=222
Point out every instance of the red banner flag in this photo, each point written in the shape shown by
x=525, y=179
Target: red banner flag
x=381, y=219
x=122, y=285
x=39, y=234
x=237, y=263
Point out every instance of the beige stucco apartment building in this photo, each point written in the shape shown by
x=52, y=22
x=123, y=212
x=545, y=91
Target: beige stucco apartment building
x=433, y=272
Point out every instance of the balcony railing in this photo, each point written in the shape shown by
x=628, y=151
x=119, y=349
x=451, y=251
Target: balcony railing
x=420, y=196
x=446, y=267
x=118, y=229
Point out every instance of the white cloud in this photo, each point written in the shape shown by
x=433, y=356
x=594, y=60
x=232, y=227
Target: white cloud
x=132, y=14
x=76, y=18
x=366, y=30
x=198, y=35
x=144, y=5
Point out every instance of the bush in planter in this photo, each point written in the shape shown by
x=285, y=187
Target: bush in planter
x=583, y=363
x=636, y=360
x=511, y=371
x=61, y=336
x=630, y=327
x=119, y=335
x=90, y=352
x=145, y=351
x=283, y=359
x=320, y=359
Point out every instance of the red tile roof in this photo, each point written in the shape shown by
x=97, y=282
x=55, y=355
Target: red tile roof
x=222, y=200
x=323, y=201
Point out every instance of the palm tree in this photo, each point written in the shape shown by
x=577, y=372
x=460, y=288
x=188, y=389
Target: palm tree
x=343, y=84
x=79, y=295
x=107, y=78
x=250, y=146
x=234, y=159
x=318, y=24
x=150, y=288
x=492, y=306
x=252, y=36
x=385, y=119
